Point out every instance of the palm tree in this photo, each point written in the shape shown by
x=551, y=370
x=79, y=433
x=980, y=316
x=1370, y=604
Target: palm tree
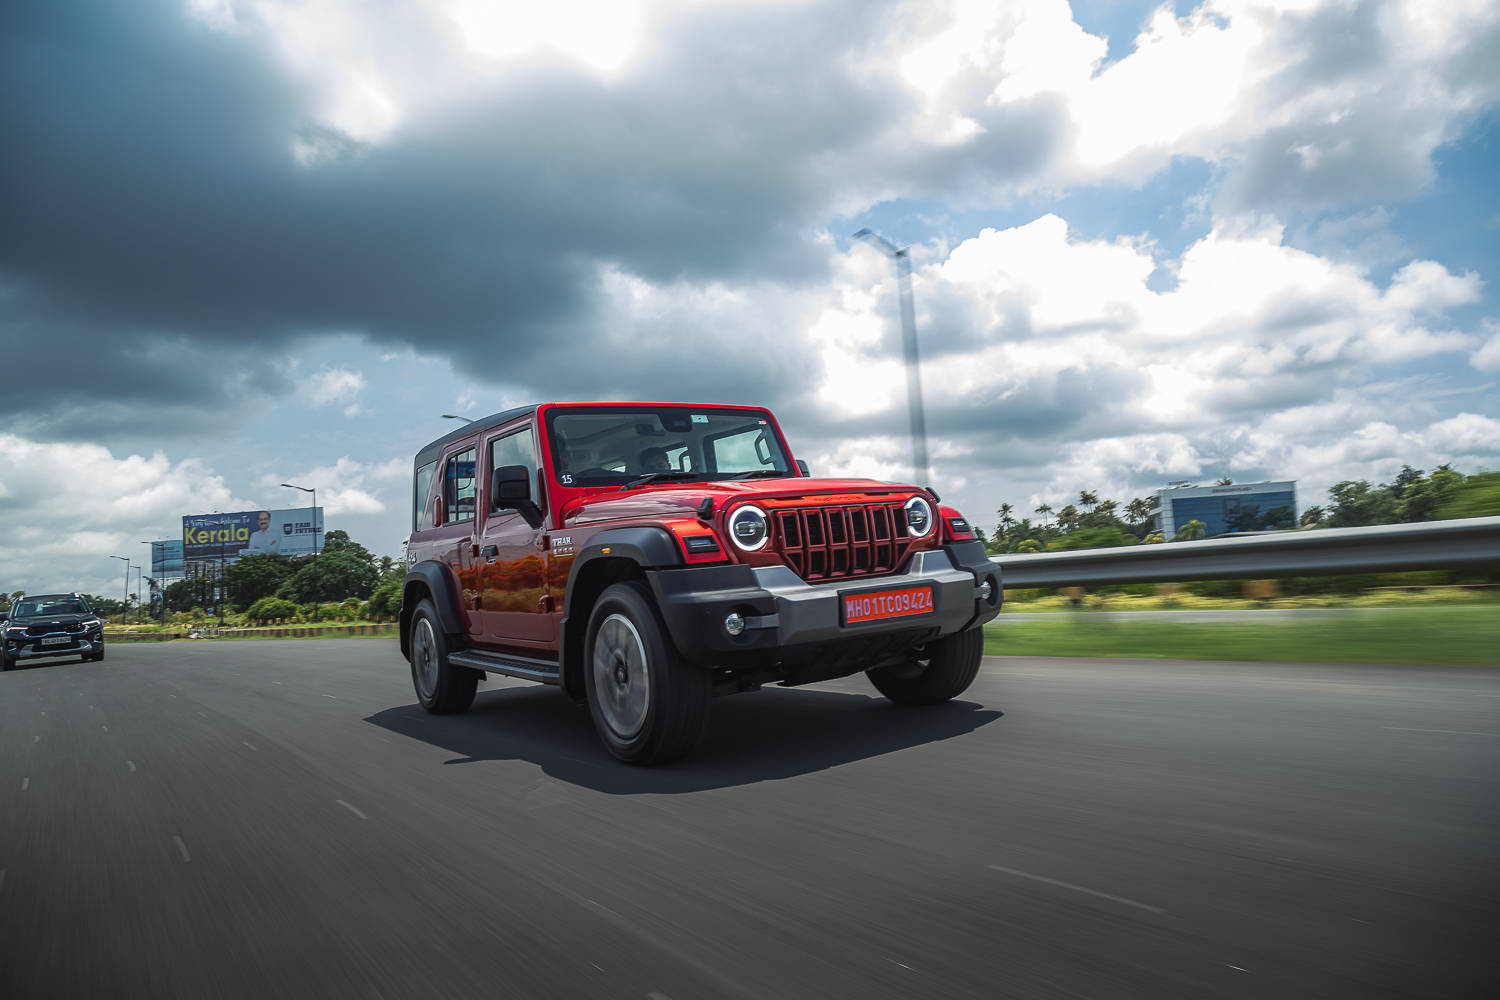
x=1005, y=519
x=1137, y=510
x=1067, y=517
x=1311, y=516
x=1044, y=510
x=1088, y=499
x=1190, y=532
x=1107, y=508
x=1225, y=481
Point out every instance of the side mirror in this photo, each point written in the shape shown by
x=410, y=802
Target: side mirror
x=802, y=468
x=510, y=489
x=508, y=484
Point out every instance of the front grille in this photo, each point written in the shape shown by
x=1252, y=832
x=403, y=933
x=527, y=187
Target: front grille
x=53, y=629
x=835, y=543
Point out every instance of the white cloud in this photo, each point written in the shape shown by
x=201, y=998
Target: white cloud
x=1487, y=358
x=338, y=385
x=349, y=486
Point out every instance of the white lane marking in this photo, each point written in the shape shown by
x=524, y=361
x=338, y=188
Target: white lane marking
x=1078, y=888
x=182, y=847
x=330, y=696
x=250, y=745
x=351, y=808
x=25, y=784
x=1451, y=732
x=130, y=764
x=277, y=683
x=106, y=729
x=36, y=739
x=200, y=713
x=902, y=964
x=1236, y=968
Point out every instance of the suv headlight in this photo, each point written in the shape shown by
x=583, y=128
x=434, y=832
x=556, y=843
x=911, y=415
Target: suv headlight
x=748, y=528
x=919, y=519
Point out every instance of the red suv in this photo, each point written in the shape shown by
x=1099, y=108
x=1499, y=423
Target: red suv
x=648, y=556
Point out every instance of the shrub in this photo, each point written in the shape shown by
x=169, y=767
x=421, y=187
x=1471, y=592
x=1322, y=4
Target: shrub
x=270, y=608
x=386, y=600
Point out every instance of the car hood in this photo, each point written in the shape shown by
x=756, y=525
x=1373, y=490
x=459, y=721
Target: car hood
x=683, y=500
x=32, y=621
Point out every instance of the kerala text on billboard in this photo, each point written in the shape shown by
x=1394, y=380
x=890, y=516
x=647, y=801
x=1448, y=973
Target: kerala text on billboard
x=212, y=537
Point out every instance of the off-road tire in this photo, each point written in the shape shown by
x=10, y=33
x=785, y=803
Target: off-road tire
x=649, y=705
x=442, y=688
x=940, y=670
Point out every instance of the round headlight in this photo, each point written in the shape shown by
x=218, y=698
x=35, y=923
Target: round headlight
x=918, y=517
x=748, y=529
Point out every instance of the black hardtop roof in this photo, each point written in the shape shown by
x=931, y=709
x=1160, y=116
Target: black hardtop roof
x=433, y=449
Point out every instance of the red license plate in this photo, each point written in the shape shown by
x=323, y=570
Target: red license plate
x=878, y=605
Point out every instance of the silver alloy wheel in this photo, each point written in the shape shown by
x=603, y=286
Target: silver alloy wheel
x=424, y=658
x=622, y=683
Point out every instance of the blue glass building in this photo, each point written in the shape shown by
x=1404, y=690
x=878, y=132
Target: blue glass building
x=1226, y=510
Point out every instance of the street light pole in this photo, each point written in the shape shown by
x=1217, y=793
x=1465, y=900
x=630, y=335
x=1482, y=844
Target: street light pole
x=455, y=416
x=902, y=259
x=126, y=595
x=314, y=491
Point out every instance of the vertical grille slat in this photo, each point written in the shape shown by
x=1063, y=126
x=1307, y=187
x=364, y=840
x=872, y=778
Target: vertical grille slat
x=842, y=542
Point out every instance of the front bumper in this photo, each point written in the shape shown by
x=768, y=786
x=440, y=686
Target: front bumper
x=787, y=619
x=30, y=648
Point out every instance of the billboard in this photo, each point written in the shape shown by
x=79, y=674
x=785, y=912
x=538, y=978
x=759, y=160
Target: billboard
x=215, y=537
x=166, y=558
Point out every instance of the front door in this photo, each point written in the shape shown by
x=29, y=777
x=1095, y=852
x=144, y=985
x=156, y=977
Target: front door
x=513, y=603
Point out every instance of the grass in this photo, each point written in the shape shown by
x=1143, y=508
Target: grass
x=1438, y=635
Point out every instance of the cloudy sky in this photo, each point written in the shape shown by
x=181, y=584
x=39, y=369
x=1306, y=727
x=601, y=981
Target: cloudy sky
x=252, y=241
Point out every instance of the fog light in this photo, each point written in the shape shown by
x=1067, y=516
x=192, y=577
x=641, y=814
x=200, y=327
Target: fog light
x=733, y=623
x=985, y=590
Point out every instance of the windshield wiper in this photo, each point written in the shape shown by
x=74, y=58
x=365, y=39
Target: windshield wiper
x=652, y=477
x=757, y=473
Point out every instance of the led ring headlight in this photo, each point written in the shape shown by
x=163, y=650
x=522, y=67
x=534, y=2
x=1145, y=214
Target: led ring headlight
x=748, y=528
x=919, y=519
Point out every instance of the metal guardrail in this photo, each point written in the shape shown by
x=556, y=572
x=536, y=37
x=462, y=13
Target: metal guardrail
x=1385, y=548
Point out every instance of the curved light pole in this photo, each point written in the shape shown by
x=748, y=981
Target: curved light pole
x=314, y=491
x=126, y=560
x=455, y=416
x=902, y=259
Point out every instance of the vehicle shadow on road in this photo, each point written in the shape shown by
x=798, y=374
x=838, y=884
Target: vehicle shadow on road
x=774, y=734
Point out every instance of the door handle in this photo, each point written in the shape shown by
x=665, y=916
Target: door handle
x=490, y=550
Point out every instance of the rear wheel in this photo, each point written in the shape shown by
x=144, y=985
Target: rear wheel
x=442, y=688
x=939, y=670
x=648, y=704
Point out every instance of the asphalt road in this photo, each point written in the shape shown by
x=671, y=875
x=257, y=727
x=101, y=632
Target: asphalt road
x=278, y=818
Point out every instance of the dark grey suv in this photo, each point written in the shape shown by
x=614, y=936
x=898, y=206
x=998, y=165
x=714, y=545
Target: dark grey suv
x=51, y=625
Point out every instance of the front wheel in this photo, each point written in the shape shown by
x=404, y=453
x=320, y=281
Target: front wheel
x=97, y=655
x=649, y=706
x=442, y=688
x=939, y=670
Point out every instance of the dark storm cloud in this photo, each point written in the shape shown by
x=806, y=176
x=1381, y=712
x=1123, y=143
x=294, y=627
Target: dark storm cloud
x=152, y=209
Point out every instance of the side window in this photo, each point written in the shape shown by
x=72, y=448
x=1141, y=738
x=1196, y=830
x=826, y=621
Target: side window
x=515, y=449
x=458, y=487
x=420, y=515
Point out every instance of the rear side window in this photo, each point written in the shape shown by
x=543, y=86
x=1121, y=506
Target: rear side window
x=420, y=516
x=458, y=487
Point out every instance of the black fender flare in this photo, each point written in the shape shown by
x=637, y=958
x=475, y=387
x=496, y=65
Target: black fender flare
x=439, y=581
x=648, y=546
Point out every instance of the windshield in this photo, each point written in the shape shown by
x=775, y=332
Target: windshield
x=608, y=446
x=27, y=607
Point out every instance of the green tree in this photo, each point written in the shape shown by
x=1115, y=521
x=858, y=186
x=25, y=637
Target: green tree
x=1312, y=517
x=337, y=575
x=339, y=541
x=1190, y=532
x=385, y=601
x=1226, y=481
x=1067, y=518
x=178, y=595
x=1087, y=499
x=1006, y=520
x=1029, y=545
x=1419, y=498
x=1478, y=496
x=1094, y=538
x=1044, y=511
x=1355, y=504
x=257, y=576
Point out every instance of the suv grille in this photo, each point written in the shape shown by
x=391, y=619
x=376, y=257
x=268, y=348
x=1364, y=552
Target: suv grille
x=53, y=629
x=833, y=543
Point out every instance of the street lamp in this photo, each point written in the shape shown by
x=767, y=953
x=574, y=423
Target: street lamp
x=455, y=416
x=126, y=561
x=909, y=341
x=314, y=491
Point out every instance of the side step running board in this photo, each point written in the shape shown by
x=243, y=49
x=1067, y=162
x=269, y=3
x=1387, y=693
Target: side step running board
x=524, y=667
